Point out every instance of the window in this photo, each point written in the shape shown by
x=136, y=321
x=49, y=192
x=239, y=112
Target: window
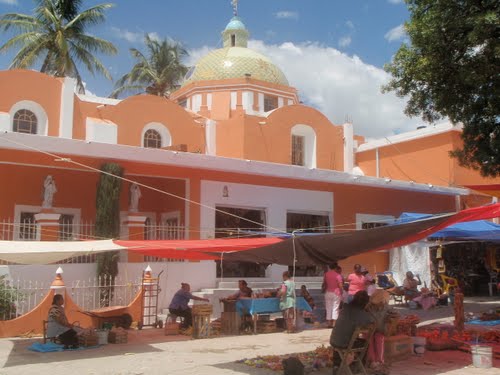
x=66, y=227
x=233, y=40
x=270, y=103
x=25, y=122
x=27, y=226
x=298, y=142
x=152, y=139
x=183, y=103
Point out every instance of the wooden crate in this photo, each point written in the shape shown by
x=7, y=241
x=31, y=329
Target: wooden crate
x=397, y=348
x=230, y=323
x=201, y=326
x=118, y=337
x=202, y=309
x=88, y=339
x=172, y=329
x=266, y=326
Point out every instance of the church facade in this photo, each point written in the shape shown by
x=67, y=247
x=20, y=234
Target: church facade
x=232, y=152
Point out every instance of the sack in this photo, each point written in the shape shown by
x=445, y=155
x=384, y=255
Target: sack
x=293, y=366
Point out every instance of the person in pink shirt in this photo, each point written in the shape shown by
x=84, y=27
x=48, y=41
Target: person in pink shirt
x=356, y=280
x=332, y=285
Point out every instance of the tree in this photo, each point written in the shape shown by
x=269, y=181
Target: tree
x=158, y=73
x=55, y=35
x=452, y=69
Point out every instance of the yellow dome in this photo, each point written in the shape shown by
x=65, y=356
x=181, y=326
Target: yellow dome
x=235, y=62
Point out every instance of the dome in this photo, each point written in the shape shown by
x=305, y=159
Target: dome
x=235, y=60
x=235, y=24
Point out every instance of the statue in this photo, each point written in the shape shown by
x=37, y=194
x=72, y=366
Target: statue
x=49, y=189
x=135, y=195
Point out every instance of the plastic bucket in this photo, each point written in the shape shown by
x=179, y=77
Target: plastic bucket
x=419, y=344
x=102, y=336
x=481, y=356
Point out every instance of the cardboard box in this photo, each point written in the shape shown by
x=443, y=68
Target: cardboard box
x=397, y=348
x=172, y=329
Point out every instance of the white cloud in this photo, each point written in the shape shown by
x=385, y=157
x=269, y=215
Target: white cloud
x=395, y=1
x=396, y=33
x=350, y=24
x=130, y=36
x=9, y=2
x=345, y=41
x=338, y=85
x=287, y=14
x=154, y=36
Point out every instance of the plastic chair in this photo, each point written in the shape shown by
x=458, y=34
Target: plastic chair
x=448, y=282
x=357, y=349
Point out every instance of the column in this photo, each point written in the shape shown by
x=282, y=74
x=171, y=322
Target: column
x=47, y=223
x=136, y=225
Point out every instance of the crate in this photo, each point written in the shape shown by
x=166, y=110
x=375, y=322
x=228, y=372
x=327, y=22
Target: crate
x=172, y=329
x=230, y=323
x=201, y=326
x=88, y=339
x=397, y=348
x=266, y=326
x=118, y=336
x=202, y=309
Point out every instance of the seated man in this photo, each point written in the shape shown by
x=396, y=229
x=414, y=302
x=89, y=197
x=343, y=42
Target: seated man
x=410, y=286
x=58, y=325
x=179, y=304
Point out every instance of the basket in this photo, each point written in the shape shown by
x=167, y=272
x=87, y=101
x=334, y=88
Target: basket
x=88, y=339
x=172, y=329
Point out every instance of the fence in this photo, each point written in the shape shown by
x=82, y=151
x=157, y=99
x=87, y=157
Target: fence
x=19, y=297
x=26, y=230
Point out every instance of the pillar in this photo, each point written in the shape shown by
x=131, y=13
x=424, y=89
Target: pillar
x=47, y=223
x=136, y=225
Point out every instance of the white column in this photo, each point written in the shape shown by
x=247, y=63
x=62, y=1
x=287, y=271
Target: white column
x=211, y=137
x=348, y=147
x=67, y=108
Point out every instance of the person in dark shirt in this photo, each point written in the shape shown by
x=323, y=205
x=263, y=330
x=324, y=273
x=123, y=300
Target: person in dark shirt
x=179, y=304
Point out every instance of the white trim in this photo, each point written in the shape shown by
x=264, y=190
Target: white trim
x=281, y=102
x=209, y=101
x=243, y=86
x=429, y=131
x=234, y=99
x=207, y=162
x=42, y=126
x=124, y=215
x=67, y=108
x=102, y=131
x=371, y=218
x=166, y=138
x=98, y=99
x=18, y=208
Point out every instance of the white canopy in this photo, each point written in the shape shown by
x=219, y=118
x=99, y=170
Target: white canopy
x=46, y=252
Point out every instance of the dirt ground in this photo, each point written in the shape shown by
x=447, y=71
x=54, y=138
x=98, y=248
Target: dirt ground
x=151, y=352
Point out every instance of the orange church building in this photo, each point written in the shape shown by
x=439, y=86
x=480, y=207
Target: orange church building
x=235, y=139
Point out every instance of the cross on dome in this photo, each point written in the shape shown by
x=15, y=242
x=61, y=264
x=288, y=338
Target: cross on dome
x=235, y=7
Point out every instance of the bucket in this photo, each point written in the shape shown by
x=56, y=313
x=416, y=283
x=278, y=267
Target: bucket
x=481, y=356
x=102, y=336
x=419, y=344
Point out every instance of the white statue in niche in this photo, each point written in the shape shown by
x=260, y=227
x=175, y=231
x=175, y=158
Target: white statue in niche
x=135, y=195
x=49, y=189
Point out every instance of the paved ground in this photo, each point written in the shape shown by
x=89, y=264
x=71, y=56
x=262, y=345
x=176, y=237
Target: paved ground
x=150, y=352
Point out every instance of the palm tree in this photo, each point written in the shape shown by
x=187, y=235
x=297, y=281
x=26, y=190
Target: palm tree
x=158, y=73
x=55, y=35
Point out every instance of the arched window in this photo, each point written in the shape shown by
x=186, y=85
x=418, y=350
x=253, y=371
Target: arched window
x=152, y=139
x=303, y=146
x=25, y=122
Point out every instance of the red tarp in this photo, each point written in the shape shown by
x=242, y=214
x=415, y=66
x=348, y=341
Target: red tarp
x=311, y=249
x=194, y=249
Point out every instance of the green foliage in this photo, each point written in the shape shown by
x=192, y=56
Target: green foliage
x=55, y=35
x=7, y=295
x=452, y=69
x=108, y=223
x=158, y=73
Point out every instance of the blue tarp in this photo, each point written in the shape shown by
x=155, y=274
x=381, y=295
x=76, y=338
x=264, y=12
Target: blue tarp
x=480, y=230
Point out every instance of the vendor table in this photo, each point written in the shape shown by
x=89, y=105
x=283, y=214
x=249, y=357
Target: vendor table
x=255, y=306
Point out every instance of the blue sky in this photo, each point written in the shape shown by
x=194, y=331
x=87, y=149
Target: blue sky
x=333, y=51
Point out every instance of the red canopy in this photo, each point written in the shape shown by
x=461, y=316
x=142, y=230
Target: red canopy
x=194, y=249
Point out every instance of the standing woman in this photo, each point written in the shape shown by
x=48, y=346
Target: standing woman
x=287, y=302
x=332, y=283
x=357, y=281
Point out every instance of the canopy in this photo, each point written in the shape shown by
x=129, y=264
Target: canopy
x=45, y=252
x=490, y=189
x=328, y=248
x=479, y=230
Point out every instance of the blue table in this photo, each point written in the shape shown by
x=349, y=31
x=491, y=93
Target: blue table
x=255, y=306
